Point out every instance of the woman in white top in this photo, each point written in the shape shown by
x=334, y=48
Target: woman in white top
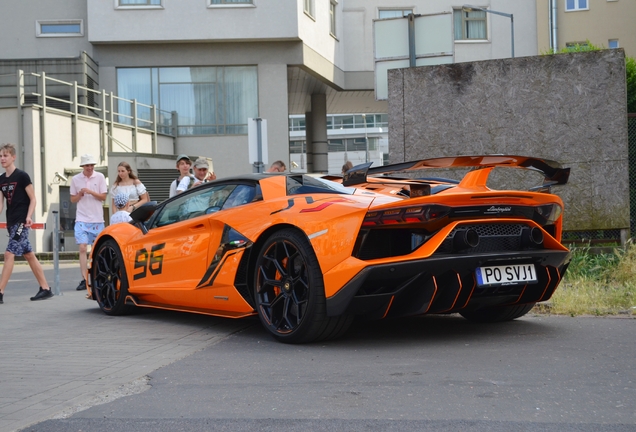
x=128, y=183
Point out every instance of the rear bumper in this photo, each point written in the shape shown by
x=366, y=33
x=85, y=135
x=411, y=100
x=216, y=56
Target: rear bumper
x=444, y=284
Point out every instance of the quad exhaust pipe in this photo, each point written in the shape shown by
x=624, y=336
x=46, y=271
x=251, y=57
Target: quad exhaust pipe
x=465, y=239
x=531, y=237
x=469, y=238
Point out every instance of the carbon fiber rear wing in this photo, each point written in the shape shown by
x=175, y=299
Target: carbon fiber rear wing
x=553, y=171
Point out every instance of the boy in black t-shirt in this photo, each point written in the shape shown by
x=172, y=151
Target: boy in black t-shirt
x=17, y=189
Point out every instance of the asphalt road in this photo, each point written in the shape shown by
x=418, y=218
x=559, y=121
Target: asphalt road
x=431, y=373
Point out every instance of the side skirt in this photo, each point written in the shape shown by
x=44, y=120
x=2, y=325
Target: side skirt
x=225, y=314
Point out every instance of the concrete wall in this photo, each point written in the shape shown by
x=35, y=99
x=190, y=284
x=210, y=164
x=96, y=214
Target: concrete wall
x=8, y=122
x=567, y=107
x=191, y=20
x=18, y=30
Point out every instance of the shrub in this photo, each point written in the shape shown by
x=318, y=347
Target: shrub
x=597, y=284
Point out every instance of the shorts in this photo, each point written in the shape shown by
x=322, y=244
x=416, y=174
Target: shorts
x=87, y=232
x=22, y=245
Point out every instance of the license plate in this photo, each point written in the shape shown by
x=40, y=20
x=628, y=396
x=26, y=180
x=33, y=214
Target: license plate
x=506, y=275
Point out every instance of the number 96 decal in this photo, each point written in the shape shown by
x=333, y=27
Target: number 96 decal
x=149, y=262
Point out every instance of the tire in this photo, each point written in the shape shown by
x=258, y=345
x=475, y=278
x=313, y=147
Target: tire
x=109, y=280
x=289, y=291
x=497, y=313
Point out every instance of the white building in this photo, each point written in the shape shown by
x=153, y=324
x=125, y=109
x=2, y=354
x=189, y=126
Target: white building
x=208, y=66
x=356, y=138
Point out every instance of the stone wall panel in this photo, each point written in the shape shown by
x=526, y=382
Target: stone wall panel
x=567, y=107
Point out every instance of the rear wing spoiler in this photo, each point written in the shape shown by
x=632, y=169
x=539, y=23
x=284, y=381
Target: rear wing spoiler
x=553, y=172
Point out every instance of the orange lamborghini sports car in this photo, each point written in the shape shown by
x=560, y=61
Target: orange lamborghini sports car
x=308, y=254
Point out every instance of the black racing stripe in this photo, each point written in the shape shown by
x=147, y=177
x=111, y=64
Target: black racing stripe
x=290, y=204
x=215, y=271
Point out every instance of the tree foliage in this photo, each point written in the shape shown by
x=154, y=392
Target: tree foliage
x=630, y=69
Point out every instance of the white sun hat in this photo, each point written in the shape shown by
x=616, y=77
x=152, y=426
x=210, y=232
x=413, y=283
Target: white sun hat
x=88, y=160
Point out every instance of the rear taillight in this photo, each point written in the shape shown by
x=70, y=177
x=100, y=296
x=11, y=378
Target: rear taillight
x=405, y=215
x=547, y=214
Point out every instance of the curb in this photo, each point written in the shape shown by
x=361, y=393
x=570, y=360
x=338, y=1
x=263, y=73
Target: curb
x=48, y=256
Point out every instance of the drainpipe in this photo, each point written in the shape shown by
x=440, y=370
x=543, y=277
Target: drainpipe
x=552, y=18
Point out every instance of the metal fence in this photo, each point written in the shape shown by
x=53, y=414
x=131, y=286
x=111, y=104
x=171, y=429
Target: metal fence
x=631, y=133
x=614, y=236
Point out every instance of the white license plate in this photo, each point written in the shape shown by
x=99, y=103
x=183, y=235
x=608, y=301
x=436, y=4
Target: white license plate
x=506, y=275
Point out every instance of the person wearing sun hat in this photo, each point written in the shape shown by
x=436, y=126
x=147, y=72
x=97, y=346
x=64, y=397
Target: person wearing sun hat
x=202, y=172
x=121, y=201
x=88, y=191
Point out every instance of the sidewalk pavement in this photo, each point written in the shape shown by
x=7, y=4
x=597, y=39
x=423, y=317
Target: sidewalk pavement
x=62, y=355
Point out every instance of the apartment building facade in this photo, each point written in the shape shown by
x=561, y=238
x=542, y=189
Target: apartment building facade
x=219, y=62
x=213, y=64
x=604, y=23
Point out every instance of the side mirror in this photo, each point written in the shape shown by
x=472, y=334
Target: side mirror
x=144, y=211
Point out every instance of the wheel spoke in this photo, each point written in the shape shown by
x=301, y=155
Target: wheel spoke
x=267, y=281
x=110, y=295
x=278, y=264
x=287, y=315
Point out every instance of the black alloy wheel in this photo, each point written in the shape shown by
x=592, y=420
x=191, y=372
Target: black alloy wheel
x=109, y=280
x=289, y=291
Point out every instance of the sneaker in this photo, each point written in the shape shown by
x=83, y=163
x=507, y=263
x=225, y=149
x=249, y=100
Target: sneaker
x=81, y=286
x=42, y=294
x=1, y=298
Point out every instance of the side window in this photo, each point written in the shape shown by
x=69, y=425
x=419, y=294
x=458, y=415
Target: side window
x=139, y=2
x=469, y=25
x=575, y=5
x=393, y=13
x=333, y=6
x=308, y=7
x=230, y=2
x=190, y=205
x=59, y=28
x=243, y=194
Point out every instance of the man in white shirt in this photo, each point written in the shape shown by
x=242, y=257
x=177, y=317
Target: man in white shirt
x=185, y=179
x=88, y=190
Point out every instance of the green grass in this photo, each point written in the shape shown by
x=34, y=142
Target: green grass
x=596, y=284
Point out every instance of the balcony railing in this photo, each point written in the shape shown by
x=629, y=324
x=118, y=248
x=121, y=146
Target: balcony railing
x=51, y=94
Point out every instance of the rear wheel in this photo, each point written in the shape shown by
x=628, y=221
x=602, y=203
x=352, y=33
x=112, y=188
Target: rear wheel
x=109, y=280
x=497, y=313
x=289, y=291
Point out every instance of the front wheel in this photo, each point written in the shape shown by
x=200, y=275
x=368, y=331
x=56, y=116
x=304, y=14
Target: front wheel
x=109, y=280
x=497, y=313
x=289, y=291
